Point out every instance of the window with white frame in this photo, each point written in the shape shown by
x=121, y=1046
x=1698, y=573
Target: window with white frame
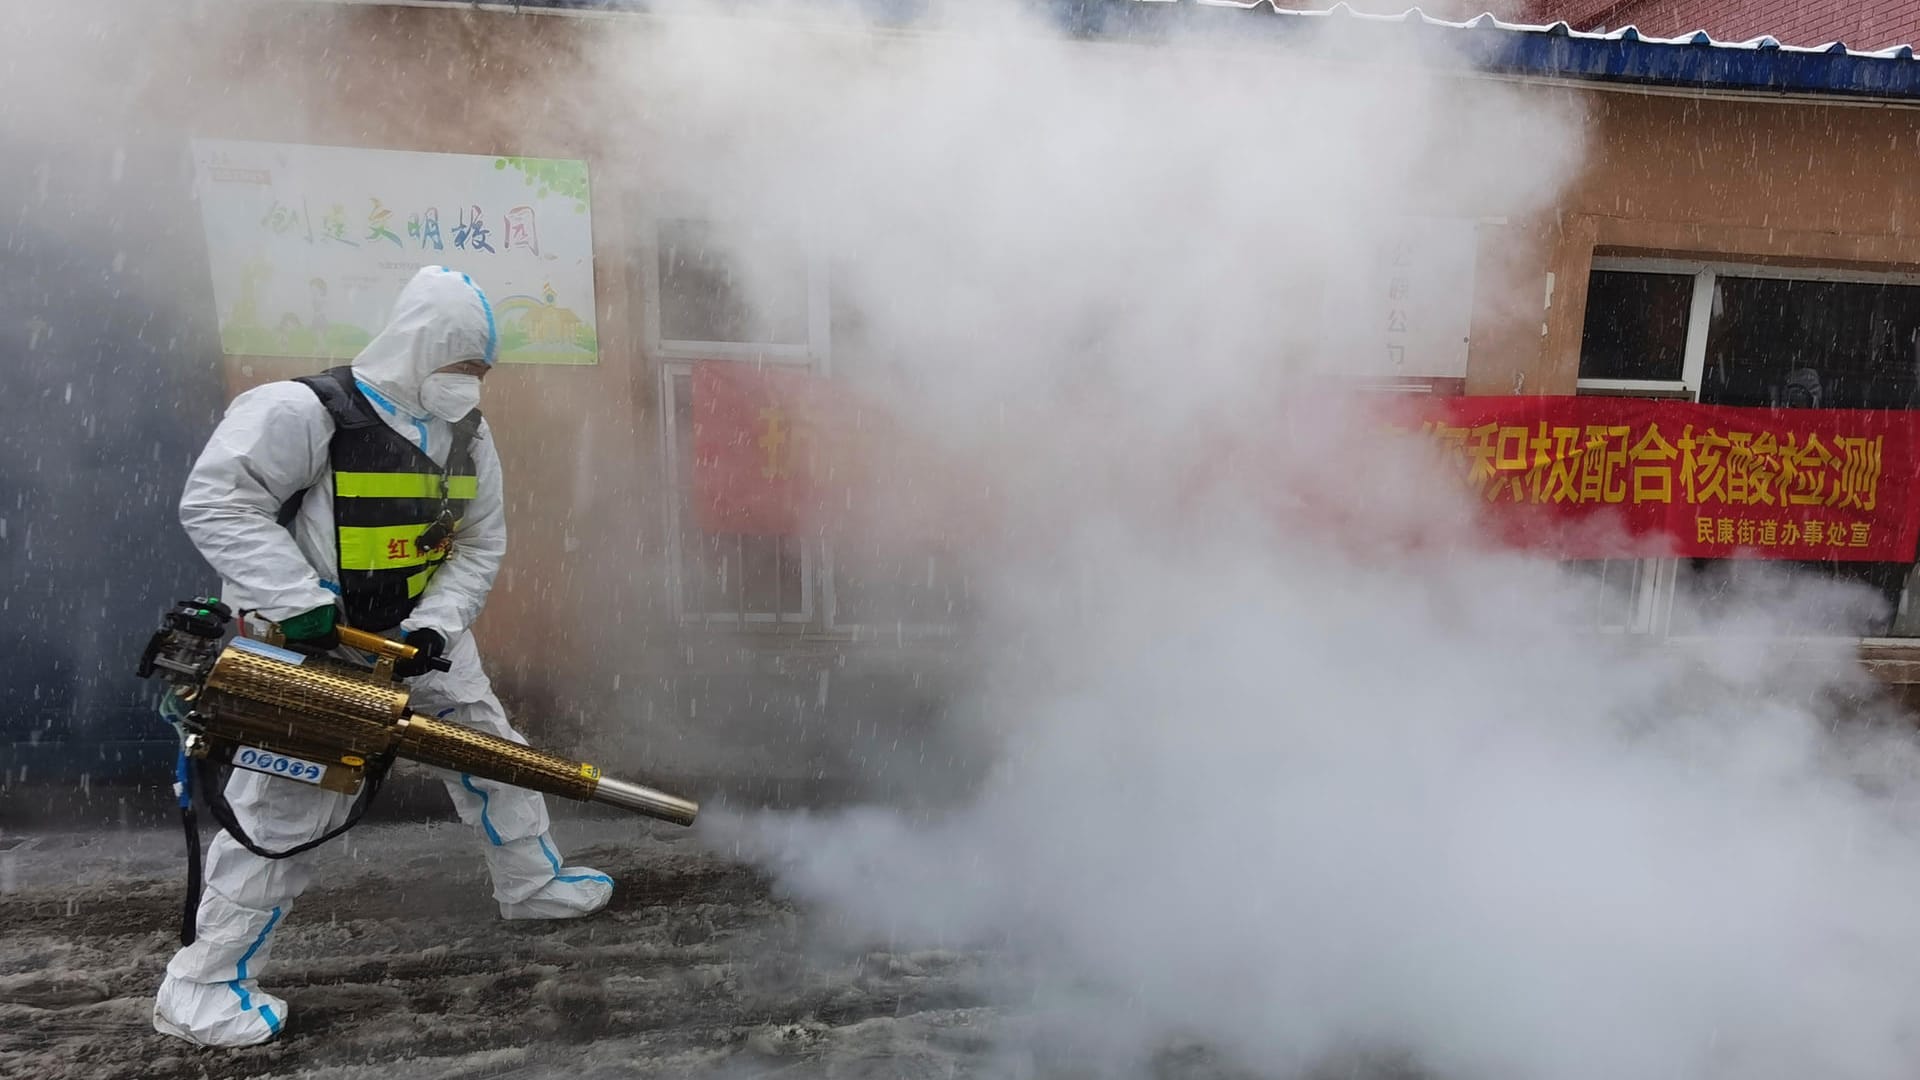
x=730, y=293
x=735, y=292
x=1727, y=334
x=737, y=295
x=727, y=578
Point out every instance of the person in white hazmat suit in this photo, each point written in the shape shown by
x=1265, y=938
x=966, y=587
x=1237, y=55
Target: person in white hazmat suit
x=360, y=464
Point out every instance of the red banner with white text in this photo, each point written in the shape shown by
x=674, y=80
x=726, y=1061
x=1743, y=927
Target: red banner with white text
x=1573, y=474
x=778, y=452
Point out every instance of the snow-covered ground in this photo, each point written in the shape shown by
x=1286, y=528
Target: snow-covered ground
x=395, y=964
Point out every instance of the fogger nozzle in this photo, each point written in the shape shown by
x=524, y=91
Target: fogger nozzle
x=462, y=749
x=645, y=800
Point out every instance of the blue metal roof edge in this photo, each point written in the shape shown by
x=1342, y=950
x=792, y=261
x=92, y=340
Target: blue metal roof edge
x=1693, y=62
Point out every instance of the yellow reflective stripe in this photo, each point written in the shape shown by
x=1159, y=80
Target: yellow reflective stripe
x=387, y=547
x=375, y=485
x=417, y=583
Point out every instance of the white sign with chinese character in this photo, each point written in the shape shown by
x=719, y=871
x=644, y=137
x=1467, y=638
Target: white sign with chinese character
x=309, y=245
x=1406, y=309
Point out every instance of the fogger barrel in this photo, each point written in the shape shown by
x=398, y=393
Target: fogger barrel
x=325, y=722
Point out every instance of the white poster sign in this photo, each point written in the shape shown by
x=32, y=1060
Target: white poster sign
x=309, y=245
x=1408, y=309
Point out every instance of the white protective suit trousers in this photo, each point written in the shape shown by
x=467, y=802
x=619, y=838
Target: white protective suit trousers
x=211, y=995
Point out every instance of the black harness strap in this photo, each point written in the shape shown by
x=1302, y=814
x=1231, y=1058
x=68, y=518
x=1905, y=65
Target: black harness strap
x=206, y=776
x=216, y=797
x=458, y=453
x=350, y=412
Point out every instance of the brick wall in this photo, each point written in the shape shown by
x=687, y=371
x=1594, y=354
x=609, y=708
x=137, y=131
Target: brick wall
x=1862, y=24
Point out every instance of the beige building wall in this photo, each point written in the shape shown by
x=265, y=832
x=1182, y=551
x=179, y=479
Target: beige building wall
x=1747, y=180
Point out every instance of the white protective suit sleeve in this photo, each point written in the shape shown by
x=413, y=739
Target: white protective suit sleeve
x=271, y=444
x=459, y=589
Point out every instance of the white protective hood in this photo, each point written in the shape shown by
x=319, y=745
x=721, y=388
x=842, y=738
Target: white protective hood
x=440, y=318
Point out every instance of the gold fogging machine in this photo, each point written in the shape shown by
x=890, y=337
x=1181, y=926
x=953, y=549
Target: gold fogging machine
x=331, y=725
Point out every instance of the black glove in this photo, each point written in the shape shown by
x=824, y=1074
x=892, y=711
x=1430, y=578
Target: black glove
x=430, y=645
x=314, y=630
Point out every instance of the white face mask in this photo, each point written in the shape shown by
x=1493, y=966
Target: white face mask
x=449, y=396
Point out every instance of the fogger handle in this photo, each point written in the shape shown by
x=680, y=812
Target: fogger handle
x=392, y=650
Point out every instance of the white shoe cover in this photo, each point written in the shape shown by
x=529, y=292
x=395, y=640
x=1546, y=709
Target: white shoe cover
x=236, y=1013
x=210, y=995
x=574, y=892
x=527, y=889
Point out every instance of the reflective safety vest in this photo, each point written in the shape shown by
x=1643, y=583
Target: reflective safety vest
x=394, y=510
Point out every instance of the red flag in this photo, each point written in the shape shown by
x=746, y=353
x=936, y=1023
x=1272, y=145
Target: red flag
x=754, y=448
